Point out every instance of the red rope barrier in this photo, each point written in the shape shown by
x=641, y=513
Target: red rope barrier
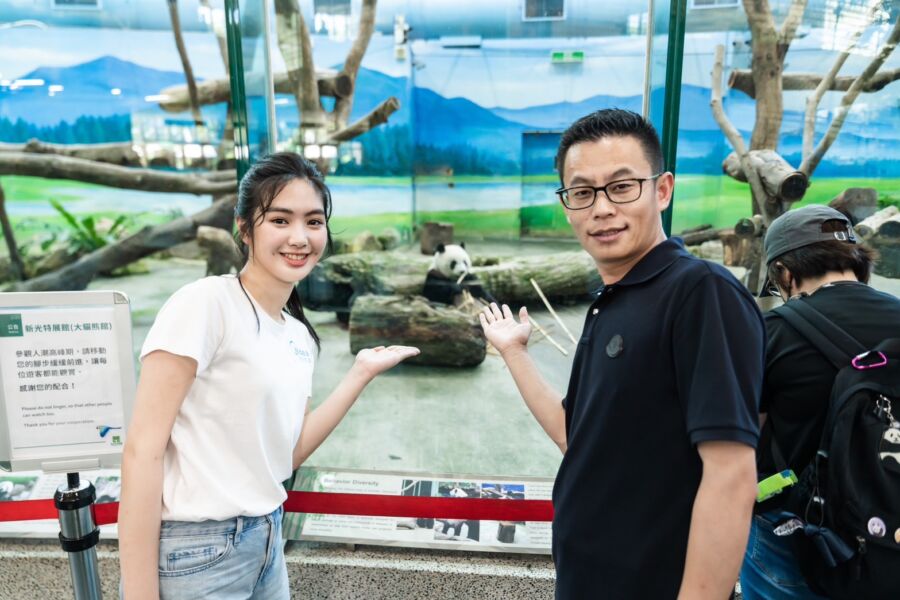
x=475, y=509
x=27, y=510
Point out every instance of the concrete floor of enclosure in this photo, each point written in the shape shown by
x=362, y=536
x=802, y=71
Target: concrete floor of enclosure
x=415, y=418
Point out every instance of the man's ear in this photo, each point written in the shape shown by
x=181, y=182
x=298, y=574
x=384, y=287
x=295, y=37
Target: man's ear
x=665, y=184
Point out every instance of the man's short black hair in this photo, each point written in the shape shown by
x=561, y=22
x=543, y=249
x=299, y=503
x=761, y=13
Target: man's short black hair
x=611, y=122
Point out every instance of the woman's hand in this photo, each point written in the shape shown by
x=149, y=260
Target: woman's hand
x=501, y=328
x=374, y=361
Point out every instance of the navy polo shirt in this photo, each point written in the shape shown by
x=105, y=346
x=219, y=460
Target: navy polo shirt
x=670, y=356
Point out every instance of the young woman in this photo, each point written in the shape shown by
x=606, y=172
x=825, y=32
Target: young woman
x=221, y=416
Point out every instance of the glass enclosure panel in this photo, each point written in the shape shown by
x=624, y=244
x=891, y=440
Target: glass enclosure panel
x=470, y=148
x=104, y=83
x=864, y=153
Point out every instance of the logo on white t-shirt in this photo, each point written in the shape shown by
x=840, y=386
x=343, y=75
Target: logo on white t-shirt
x=301, y=353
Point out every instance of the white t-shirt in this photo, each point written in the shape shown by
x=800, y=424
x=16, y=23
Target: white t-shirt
x=230, y=448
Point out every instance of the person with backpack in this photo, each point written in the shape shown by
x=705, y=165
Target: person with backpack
x=830, y=526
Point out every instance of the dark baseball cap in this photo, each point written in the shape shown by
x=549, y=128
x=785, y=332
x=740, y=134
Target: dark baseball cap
x=803, y=226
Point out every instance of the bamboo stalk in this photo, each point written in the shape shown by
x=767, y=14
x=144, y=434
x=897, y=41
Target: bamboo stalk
x=547, y=335
x=537, y=288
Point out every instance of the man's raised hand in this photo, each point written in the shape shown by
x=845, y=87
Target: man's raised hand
x=501, y=328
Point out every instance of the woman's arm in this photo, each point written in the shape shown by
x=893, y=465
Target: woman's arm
x=165, y=381
x=319, y=423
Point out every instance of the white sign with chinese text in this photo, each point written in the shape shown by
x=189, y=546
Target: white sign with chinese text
x=67, y=379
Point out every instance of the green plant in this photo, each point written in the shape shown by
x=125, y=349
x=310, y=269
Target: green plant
x=85, y=235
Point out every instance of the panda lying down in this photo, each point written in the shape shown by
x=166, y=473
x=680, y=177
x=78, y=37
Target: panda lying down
x=450, y=262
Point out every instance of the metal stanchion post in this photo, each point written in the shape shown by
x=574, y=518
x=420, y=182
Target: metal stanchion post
x=79, y=535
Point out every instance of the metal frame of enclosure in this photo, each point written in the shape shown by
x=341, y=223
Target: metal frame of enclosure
x=665, y=50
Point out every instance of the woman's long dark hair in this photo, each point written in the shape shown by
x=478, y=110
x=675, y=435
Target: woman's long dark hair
x=265, y=179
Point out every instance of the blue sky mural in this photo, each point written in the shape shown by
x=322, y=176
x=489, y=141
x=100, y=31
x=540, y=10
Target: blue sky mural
x=475, y=100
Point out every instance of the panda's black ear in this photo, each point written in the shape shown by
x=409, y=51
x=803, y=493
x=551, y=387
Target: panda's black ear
x=440, y=249
x=462, y=244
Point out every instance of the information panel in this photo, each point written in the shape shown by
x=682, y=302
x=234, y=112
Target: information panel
x=66, y=379
x=450, y=534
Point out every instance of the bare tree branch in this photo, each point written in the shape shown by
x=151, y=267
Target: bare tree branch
x=219, y=32
x=214, y=91
x=185, y=62
x=809, y=164
x=116, y=153
x=730, y=131
x=15, y=261
x=51, y=166
x=344, y=105
x=812, y=102
x=296, y=49
x=791, y=23
x=376, y=117
x=742, y=81
x=77, y=275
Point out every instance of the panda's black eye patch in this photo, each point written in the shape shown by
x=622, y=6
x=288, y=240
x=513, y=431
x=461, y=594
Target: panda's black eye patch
x=452, y=264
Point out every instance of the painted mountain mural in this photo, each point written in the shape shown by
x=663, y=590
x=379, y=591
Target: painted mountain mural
x=430, y=133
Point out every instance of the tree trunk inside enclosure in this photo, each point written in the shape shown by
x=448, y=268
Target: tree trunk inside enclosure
x=78, y=275
x=223, y=254
x=17, y=267
x=767, y=63
x=445, y=336
x=433, y=233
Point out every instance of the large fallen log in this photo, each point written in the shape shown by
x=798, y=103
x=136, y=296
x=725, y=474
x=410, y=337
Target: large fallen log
x=77, y=275
x=564, y=276
x=446, y=336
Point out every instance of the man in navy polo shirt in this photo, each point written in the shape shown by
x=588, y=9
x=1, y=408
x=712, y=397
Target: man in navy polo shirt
x=658, y=427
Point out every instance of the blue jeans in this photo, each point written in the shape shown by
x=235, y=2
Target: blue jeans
x=236, y=559
x=770, y=570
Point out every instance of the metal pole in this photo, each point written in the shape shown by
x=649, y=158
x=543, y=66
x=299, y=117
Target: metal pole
x=79, y=535
x=271, y=123
x=674, y=60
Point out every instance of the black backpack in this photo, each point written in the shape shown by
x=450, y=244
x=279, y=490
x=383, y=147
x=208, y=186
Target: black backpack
x=849, y=497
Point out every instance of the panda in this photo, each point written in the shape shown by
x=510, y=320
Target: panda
x=450, y=262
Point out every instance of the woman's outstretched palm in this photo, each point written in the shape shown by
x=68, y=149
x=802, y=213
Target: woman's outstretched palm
x=501, y=328
x=380, y=359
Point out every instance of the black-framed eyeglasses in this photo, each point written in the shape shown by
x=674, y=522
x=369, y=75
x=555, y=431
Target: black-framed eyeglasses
x=621, y=191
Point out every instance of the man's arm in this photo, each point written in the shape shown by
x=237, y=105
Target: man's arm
x=720, y=521
x=510, y=338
